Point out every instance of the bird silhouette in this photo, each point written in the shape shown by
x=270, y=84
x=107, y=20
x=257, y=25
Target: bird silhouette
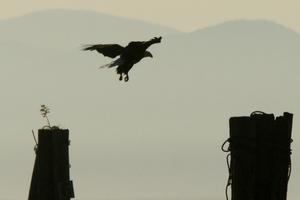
x=128, y=56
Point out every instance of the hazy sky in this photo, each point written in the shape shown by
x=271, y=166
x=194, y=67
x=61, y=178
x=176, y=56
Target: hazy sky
x=184, y=15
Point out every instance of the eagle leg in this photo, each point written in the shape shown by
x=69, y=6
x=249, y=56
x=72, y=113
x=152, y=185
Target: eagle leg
x=126, y=78
x=121, y=77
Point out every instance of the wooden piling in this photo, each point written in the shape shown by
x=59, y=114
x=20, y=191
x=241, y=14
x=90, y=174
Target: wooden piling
x=51, y=175
x=260, y=156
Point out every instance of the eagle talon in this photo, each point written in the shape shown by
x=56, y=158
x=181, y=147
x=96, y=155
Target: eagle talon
x=126, y=78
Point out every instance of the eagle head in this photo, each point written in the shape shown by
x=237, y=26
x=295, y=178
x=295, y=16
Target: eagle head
x=157, y=39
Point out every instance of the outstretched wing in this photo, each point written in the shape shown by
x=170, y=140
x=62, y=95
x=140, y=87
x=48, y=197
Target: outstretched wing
x=110, y=50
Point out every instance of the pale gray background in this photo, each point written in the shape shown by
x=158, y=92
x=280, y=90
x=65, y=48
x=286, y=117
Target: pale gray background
x=159, y=135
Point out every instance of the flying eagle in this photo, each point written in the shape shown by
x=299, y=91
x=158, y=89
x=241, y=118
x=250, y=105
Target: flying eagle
x=128, y=56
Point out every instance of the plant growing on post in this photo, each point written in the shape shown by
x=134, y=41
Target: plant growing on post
x=45, y=111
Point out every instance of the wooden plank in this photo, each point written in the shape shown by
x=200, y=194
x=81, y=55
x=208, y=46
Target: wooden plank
x=243, y=157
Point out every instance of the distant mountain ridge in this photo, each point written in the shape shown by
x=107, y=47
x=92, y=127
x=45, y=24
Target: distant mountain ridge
x=57, y=28
x=65, y=27
x=248, y=24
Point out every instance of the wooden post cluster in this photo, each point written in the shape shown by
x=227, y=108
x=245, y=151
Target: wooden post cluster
x=51, y=175
x=260, y=162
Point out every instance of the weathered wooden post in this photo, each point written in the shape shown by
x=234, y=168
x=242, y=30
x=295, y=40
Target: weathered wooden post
x=259, y=166
x=51, y=176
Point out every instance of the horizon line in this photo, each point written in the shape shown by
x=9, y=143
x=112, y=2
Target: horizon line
x=145, y=21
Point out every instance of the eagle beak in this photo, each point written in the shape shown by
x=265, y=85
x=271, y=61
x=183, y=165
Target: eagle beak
x=148, y=54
